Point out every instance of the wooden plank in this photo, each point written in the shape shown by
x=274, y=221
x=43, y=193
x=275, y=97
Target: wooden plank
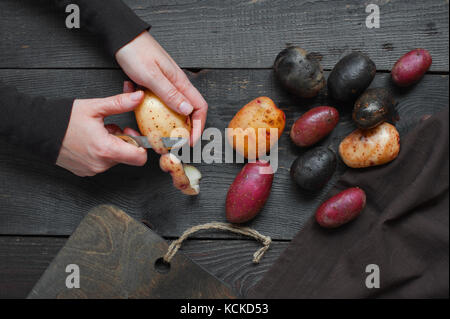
x=23, y=260
x=38, y=198
x=117, y=257
x=234, y=34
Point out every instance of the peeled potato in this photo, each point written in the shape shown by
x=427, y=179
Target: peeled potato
x=156, y=120
x=364, y=148
x=261, y=113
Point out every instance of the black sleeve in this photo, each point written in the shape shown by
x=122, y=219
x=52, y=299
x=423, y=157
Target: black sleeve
x=39, y=124
x=112, y=20
x=34, y=123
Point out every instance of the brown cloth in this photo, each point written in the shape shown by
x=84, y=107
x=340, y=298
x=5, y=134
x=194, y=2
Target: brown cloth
x=404, y=229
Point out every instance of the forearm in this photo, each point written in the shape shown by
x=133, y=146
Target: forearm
x=34, y=123
x=113, y=21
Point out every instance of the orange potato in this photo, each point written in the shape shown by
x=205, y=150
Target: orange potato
x=263, y=114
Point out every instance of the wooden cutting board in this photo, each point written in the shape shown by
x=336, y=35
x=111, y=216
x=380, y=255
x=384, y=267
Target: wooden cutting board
x=116, y=257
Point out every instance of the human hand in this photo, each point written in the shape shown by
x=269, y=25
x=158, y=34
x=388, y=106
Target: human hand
x=149, y=65
x=89, y=146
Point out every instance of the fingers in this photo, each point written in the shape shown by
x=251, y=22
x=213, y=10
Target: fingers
x=167, y=92
x=130, y=131
x=182, y=83
x=122, y=152
x=198, y=124
x=128, y=87
x=118, y=104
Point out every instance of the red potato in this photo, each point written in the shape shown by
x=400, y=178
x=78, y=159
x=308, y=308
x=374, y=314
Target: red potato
x=249, y=192
x=341, y=208
x=314, y=125
x=411, y=67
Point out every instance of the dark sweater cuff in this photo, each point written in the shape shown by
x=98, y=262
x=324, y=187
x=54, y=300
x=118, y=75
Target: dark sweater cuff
x=43, y=128
x=125, y=36
x=59, y=110
x=122, y=25
x=35, y=123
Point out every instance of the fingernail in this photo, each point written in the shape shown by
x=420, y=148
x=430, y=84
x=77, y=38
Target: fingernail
x=136, y=96
x=186, y=108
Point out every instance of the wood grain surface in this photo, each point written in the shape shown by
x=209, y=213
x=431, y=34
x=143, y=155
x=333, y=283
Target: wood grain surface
x=117, y=257
x=38, y=198
x=233, y=34
x=227, y=48
x=23, y=260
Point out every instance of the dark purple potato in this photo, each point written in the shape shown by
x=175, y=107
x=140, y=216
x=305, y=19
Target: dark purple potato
x=374, y=107
x=351, y=76
x=299, y=72
x=313, y=169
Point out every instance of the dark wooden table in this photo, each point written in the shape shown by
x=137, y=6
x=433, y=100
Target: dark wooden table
x=227, y=49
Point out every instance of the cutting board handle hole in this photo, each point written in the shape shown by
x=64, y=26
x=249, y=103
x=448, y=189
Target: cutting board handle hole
x=162, y=266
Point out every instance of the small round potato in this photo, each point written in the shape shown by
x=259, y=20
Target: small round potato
x=341, y=208
x=314, y=168
x=374, y=107
x=299, y=72
x=351, y=76
x=411, y=67
x=314, y=125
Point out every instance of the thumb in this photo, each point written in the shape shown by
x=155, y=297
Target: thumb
x=120, y=103
x=123, y=152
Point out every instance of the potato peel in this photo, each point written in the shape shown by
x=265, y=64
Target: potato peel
x=185, y=177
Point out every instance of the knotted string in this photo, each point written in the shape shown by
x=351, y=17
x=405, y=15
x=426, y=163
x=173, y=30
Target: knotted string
x=265, y=240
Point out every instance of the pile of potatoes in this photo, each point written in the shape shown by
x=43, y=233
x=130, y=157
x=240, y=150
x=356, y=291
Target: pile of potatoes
x=374, y=142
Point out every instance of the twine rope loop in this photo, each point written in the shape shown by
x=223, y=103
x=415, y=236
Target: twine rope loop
x=246, y=231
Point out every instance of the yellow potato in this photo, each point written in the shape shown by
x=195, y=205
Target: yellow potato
x=261, y=113
x=156, y=120
x=364, y=148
